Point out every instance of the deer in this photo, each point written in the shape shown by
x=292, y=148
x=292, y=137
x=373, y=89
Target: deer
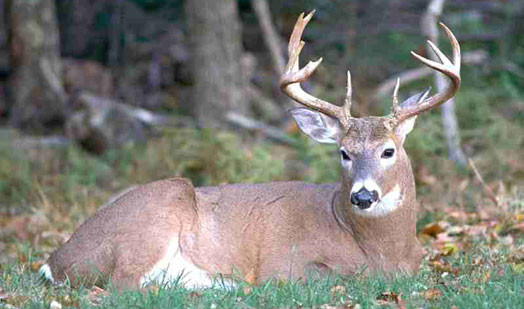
x=170, y=231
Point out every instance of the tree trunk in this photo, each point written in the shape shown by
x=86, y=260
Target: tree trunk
x=449, y=118
x=215, y=34
x=271, y=37
x=37, y=99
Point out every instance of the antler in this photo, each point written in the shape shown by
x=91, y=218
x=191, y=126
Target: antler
x=448, y=68
x=293, y=76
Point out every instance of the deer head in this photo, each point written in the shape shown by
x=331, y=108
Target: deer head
x=373, y=159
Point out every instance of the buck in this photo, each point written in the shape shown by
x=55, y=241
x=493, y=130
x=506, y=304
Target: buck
x=171, y=231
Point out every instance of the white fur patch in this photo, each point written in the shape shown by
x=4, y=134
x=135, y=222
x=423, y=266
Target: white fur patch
x=384, y=205
x=369, y=184
x=45, y=271
x=173, y=267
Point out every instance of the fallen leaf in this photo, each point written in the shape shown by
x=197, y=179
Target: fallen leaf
x=337, y=290
x=35, y=266
x=444, y=267
x=449, y=249
x=517, y=228
x=386, y=297
x=432, y=229
x=251, y=278
x=432, y=294
x=96, y=294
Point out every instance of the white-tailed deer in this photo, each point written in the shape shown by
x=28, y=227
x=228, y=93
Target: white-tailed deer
x=169, y=230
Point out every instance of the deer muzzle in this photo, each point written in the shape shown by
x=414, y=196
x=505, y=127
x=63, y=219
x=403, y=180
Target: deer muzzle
x=363, y=198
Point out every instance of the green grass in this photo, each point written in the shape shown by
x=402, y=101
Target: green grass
x=490, y=283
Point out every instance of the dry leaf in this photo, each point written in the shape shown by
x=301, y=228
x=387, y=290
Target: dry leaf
x=250, y=278
x=443, y=267
x=35, y=266
x=432, y=229
x=432, y=294
x=517, y=228
x=337, y=290
x=96, y=294
x=386, y=297
x=449, y=249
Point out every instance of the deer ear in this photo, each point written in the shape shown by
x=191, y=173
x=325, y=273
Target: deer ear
x=320, y=127
x=403, y=128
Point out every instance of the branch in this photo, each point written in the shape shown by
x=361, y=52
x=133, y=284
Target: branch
x=255, y=125
x=270, y=35
x=489, y=192
x=409, y=76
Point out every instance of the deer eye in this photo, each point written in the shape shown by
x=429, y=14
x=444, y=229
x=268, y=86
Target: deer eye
x=388, y=153
x=344, y=155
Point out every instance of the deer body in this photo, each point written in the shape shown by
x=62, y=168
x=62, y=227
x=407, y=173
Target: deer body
x=230, y=230
x=168, y=229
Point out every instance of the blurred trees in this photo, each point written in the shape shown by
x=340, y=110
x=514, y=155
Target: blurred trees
x=449, y=117
x=215, y=40
x=37, y=100
x=208, y=57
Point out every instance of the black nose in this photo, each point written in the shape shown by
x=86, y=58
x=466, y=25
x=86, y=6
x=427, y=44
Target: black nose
x=363, y=198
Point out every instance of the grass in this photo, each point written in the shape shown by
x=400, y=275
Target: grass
x=482, y=279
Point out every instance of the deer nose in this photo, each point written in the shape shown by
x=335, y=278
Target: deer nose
x=364, y=198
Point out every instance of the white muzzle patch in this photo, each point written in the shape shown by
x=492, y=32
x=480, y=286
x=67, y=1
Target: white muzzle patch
x=382, y=206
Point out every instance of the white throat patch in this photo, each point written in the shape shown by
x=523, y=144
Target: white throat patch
x=384, y=206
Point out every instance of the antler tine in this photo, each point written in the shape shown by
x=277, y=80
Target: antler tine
x=454, y=44
x=447, y=67
x=347, y=100
x=395, y=96
x=293, y=76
